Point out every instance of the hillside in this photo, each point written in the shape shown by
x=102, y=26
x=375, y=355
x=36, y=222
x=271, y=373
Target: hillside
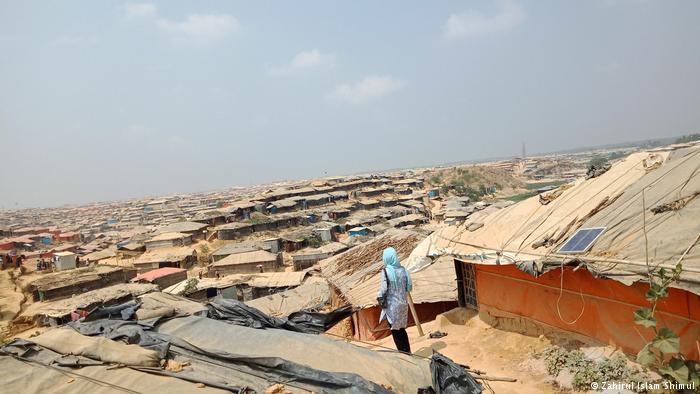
x=475, y=181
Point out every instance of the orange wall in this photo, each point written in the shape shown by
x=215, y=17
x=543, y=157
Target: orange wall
x=366, y=321
x=607, y=305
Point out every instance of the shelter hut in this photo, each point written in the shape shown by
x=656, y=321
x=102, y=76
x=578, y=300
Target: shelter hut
x=233, y=230
x=338, y=195
x=212, y=217
x=575, y=258
x=97, y=256
x=168, y=240
x=241, y=210
x=61, y=311
x=312, y=295
x=69, y=236
x=235, y=248
x=307, y=258
x=242, y=287
x=162, y=277
x=367, y=204
x=247, y=262
x=317, y=200
x=355, y=276
x=178, y=257
x=194, y=229
x=406, y=220
x=65, y=261
x=281, y=206
x=131, y=249
x=62, y=284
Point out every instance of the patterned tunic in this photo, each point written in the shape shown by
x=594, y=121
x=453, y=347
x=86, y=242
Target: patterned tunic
x=397, y=306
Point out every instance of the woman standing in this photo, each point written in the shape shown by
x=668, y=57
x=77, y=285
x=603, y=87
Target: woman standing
x=395, y=284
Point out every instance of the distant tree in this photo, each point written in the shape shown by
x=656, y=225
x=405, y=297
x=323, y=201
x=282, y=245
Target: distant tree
x=598, y=161
x=436, y=179
x=190, y=286
x=688, y=138
x=203, y=256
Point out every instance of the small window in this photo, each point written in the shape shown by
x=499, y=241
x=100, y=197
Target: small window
x=466, y=284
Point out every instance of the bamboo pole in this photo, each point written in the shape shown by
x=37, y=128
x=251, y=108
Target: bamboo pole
x=495, y=378
x=414, y=314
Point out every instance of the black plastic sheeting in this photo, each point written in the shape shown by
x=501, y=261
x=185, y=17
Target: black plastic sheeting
x=127, y=331
x=124, y=311
x=450, y=378
x=239, y=313
x=115, y=323
x=273, y=369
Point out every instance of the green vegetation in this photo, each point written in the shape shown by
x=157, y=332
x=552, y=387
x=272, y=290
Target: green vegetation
x=537, y=185
x=598, y=161
x=258, y=218
x=203, y=256
x=602, y=160
x=585, y=371
x=190, y=286
x=436, y=179
x=688, y=138
x=473, y=182
x=521, y=197
x=315, y=242
x=663, y=351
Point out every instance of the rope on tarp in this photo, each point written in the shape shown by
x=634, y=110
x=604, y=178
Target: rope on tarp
x=75, y=374
x=561, y=202
x=561, y=293
x=563, y=257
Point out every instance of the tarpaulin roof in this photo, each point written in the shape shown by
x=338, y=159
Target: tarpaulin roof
x=355, y=273
x=65, y=306
x=152, y=275
x=216, y=353
x=257, y=256
x=535, y=229
x=168, y=254
x=313, y=294
x=181, y=227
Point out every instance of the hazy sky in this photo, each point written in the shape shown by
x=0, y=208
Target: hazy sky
x=106, y=100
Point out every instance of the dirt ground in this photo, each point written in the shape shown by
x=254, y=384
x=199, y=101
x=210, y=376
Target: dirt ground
x=496, y=352
x=11, y=299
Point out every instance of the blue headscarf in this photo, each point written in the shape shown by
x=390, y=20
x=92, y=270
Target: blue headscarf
x=391, y=263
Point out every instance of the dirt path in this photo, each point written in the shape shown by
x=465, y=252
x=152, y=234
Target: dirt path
x=472, y=342
x=11, y=300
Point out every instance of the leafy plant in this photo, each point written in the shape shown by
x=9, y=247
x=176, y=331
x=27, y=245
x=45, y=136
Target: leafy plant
x=663, y=351
x=190, y=286
x=585, y=371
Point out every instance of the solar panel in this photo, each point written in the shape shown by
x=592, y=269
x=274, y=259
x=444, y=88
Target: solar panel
x=582, y=240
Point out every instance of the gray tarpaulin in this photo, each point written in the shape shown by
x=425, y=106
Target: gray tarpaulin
x=217, y=353
x=239, y=313
x=401, y=372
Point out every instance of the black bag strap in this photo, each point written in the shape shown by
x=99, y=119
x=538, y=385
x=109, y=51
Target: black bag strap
x=386, y=277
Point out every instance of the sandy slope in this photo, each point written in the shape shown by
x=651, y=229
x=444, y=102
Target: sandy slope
x=11, y=300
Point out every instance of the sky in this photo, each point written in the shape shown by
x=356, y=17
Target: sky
x=107, y=100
